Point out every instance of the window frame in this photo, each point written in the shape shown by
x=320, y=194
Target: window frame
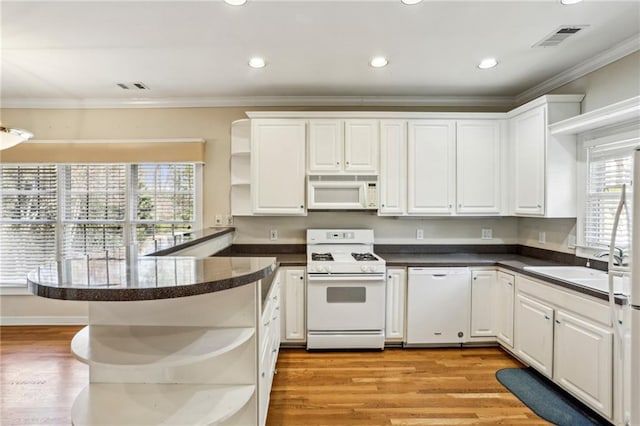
x=624, y=135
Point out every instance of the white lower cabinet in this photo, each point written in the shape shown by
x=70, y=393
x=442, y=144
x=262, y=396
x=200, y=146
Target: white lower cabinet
x=293, y=301
x=505, y=286
x=583, y=360
x=534, y=333
x=394, y=316
x=269, y=346
x=483, y=296
x=568, y=338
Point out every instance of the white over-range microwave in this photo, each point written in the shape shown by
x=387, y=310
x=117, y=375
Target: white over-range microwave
x=342, y=192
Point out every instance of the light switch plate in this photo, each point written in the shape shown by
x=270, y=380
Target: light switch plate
x=273, y=234
x=419, y=234
x=542, y=237
x=218, y=220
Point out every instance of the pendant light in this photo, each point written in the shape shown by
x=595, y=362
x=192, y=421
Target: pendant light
x=10, y=137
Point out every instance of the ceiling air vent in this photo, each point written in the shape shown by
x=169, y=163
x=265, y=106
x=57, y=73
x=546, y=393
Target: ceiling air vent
x=559, y=35
x=133, y=86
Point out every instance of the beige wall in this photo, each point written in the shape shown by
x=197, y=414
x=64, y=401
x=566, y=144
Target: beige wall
x=617, y=81
x=613, y=83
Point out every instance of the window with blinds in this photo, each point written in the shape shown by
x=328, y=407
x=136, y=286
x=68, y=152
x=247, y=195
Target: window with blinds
x=54, y=211
x=609, y=167
x=163, y=201
x=94, y=204
x=29, y=206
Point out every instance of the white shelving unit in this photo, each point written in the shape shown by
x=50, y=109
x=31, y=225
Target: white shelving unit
x=241, y=168
x=188, y=360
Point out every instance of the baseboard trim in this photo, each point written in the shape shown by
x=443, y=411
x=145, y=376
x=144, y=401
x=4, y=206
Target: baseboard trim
x=44, y=320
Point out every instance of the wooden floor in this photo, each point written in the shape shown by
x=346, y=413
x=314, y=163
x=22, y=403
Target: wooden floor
x=39, y=379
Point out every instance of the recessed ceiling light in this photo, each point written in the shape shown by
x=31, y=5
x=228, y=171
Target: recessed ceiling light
x=379, y=62
x=235, y=2
x=410, y=1
x=487, y=63
x=568, y=2
x=257, y=63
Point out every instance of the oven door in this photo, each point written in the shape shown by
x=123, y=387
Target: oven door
x=345, y=303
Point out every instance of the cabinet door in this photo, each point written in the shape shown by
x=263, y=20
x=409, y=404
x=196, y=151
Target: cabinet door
x=293, y=327
x=483, y=296
x=478, y=167
x=534, y=334
x=325, y=146
x=361, y=144
x=431, y=167
x=529, y=132
x=396, y=288
x=583, y=361
x=278, y=166
x=504, y=311
x=393, y=167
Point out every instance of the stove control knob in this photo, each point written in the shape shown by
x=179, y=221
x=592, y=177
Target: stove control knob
x=373, y=268
x=328, y=269
x=365, y=268
x=320, y=268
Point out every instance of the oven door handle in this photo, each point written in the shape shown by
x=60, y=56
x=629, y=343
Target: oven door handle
x=329, y=277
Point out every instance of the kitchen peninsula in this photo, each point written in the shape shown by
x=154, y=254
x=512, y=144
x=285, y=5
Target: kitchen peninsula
x=171, y=340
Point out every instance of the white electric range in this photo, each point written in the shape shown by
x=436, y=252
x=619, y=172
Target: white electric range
x=346, y=290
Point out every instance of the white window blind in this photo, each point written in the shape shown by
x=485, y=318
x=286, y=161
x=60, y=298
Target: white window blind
x=608, y=168
x=94, y=203
x=28, y=223
x=164, y=201
x=54, y=211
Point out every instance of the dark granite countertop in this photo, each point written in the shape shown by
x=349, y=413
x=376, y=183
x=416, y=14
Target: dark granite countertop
x=402, y=256
x=167, y=246
x=146, y=277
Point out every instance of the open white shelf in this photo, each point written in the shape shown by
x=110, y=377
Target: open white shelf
x=158, y=404
x=156, y=346
x=624, y=111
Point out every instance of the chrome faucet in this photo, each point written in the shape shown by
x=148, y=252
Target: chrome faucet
x=618, y=258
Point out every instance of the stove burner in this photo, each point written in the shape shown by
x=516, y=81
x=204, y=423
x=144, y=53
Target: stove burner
x=322, y=257
x=363, y=257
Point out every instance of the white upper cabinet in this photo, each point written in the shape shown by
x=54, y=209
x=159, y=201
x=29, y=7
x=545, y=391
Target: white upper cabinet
x=361, y=142
x=431, y=167
x=325, y=146
x=393, y=167
x=278, y=166
x=478, y=153
x=528, y=132
x=543, y=166
x=343, y=146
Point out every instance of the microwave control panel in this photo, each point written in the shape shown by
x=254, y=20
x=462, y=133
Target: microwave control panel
x=372, y=195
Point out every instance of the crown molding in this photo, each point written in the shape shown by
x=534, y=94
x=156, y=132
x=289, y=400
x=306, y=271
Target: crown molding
x=253, y=101
x=618, y=51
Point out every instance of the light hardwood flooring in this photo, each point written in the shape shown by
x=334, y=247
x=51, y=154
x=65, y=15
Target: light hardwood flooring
x=39, y=379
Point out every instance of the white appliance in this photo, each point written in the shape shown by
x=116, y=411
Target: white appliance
x=431, y=293
x=628, y=334
x=634, y=301
x=342, y=192
x=346, y=290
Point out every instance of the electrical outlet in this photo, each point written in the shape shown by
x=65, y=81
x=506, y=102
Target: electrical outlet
x=542, y=237
x=218, y=220
x=487, y=233
x=419, y=234
x=273, y=234
x=229, y=220
x=571, y=242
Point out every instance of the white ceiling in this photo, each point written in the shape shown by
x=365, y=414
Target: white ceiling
x=65, y=53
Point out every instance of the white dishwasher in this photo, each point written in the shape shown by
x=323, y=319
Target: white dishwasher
x=438, y=305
